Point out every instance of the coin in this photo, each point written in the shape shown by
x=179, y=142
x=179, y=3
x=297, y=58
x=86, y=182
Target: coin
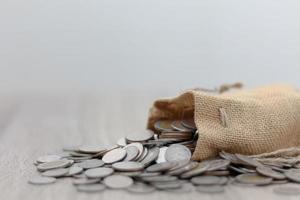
x=287, y=190
x=163, y=125
x=56, y=172
x=212, y=189
x=122, y=142
x=54, y=164
x=246, y=160
x=217, y=164
x=41, y=180
x=118, y=181
x=190, y=166
x=98, y=172
x=128, y=166
x=140, y=188
x=85, y=181
x=71, y=148
x=162, y=178
x=177, y=152
x=140, y=136
x=161, y=155
x=205, y=180
x=93, y=163
x=177, y=125
x=253, y=179
x=114, y=156
x=167, y=185
x=48, y=158
x=139, y=146
x=266, y=171
x=144, y=154
x=161, y=167
x=131, y=153
x=189, y=123
x=91, y=188
x=200, y=169
x=151, y=156
x=293, y=176
x=91, y=148
x=74, y=170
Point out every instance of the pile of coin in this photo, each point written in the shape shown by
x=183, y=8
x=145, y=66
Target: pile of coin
x=146, y=161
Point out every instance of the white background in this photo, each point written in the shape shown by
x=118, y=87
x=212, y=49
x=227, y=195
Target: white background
x=142, y=46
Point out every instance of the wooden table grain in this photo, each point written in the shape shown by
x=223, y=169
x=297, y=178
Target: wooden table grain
x=35, y=124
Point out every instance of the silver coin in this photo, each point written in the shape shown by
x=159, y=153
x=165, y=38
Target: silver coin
x=131, y=153
x=185, y=188
x=54, y=164
x=91, y=188
x=93, y=163
x=287, y=190
x=131, y=174
x=71, y=148
x=140, y=136
x=91, y=148
x=190, y=166
x=147, y=174
x=161, y=167
x=48, y=158
x=253, y=179
x=98, y=172
x=266, y=171
x=151, y=156
x=169, y=185
x=77, y=154
x=128, y=166
x=118, y=181
x=85, y=181
x=141, y=188
x=205, y=180
x=73, y=170
x=293, y=176
x=177, y=125
x=162, y=178
x=246, y=160
x=161, y=155
x=189, y=123
x=41, y=180
x=163, y=125
x=140, y=148
x=212, y=189
x=177, y=152
x=217, y=164
x=144, y=154
x=114, y=156
x=56, y=172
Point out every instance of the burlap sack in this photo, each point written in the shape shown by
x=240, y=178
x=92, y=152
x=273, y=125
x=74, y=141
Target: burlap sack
x=247, y=121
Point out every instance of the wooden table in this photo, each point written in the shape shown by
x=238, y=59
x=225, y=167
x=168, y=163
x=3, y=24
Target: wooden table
x=35, y=124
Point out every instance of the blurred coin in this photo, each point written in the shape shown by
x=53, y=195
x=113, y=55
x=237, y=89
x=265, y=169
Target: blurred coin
x=162, y=178
x=143, y=155
x=54, y=164
x=98, y=172
x=141, y=188
x=71, y=148
x=118, y=181
x=161, y=167
x=131, y=153
x=48, y=158
x=56, y=172
x=122, y=142
x=114, y=156
x=200, y=169
x=287, y=190
x=74, y=170
x=77, y=154
x=218, y=173
x=190, y=166
x=205, y=180
x=167, y=185
x=140, y=136
x=228, y=156
x=177, y=125
x=297, y=165
x=163, y=125
x=253, y=179
x=128, y=166
x=161, y=155
x=85, y=181
x=212, y=189
x=246, y=160
x=177, y=152
x=189, y=123
x=139, y=146
x=93, y=163
x=217, y=164
x=131, y=174
x=91, y=148
x=293, y=176
x=281, y=181
x=41, y=180
x=266, y=171
x=147, y=174
x=91, y=188
x=185, y=188
x=150, y=157
x=223, y=180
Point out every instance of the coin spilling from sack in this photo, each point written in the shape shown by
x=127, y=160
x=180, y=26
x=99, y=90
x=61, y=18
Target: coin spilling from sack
x=146, y=161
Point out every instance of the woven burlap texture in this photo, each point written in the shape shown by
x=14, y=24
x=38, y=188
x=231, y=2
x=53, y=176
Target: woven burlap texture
x=248, y=122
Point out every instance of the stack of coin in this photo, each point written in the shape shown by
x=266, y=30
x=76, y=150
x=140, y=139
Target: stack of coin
x=146, y=161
